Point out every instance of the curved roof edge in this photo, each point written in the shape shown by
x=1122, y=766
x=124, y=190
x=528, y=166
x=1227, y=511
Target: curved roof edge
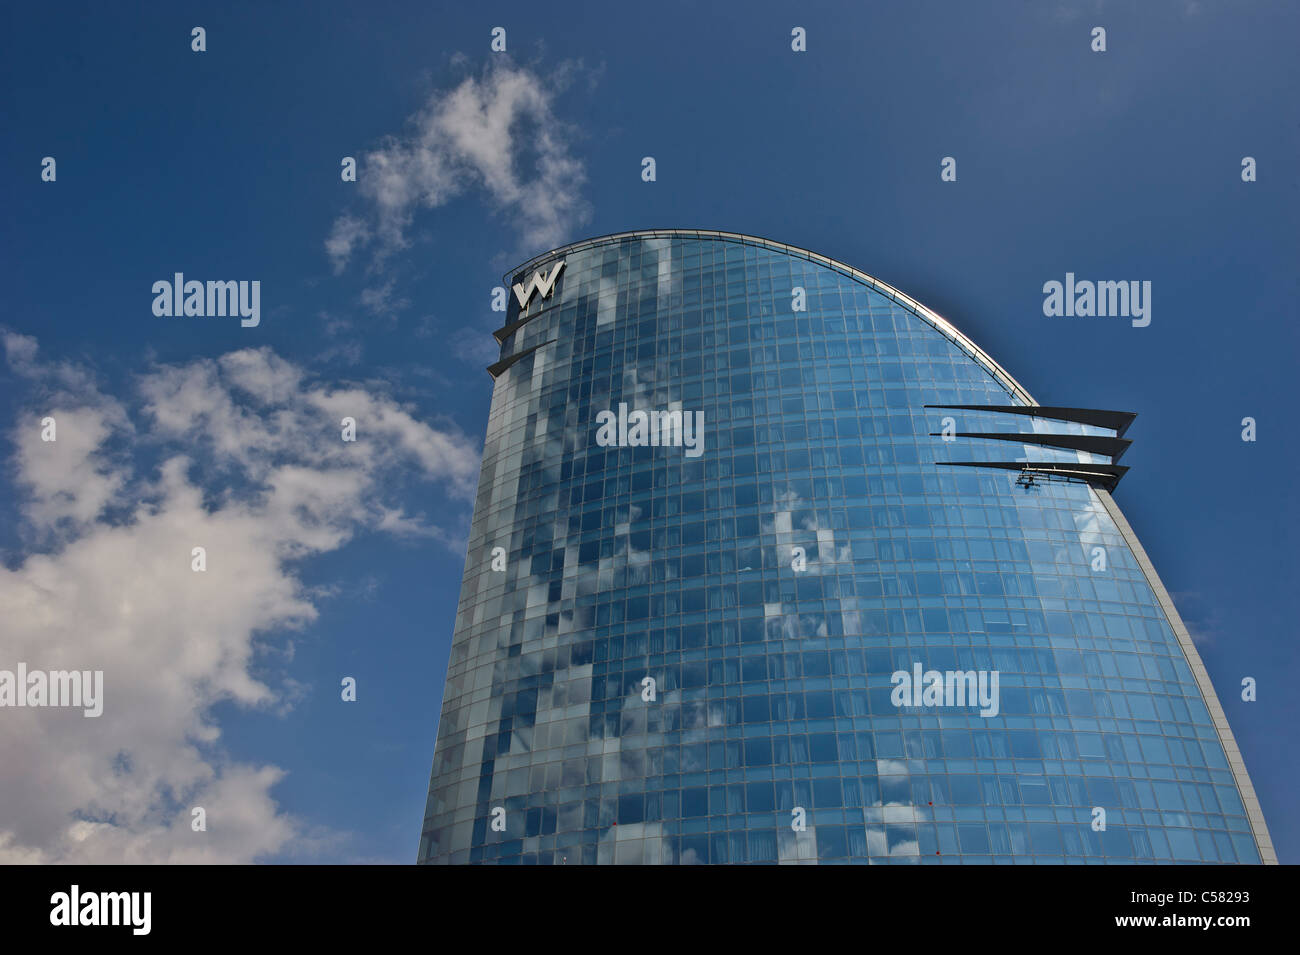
x=927, y=315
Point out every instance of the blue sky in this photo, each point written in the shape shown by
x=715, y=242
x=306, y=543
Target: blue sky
x=225, y=165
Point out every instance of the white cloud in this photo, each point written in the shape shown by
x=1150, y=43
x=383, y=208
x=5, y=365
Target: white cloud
x=379, y=298
x=348, y=233
x=250, y=465
x=497, y=133
x=67, y=483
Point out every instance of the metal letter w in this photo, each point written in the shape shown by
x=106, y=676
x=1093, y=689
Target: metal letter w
x=536, y=283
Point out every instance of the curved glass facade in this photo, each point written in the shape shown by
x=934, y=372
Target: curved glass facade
x=692, y=653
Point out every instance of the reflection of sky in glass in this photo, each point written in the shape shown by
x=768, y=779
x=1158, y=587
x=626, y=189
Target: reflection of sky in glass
x=773, y=687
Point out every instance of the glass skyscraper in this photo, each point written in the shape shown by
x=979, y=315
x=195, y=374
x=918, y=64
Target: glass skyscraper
x=770, y=563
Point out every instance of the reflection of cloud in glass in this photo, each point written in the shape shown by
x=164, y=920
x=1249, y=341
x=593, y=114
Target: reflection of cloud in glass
x=636, y=843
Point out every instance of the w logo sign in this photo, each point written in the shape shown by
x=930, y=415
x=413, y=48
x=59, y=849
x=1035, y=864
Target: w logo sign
x=538, y=283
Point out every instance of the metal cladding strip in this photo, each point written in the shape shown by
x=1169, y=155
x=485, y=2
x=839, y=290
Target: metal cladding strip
x=1117, y=421
x=1111, y=447
x=496, y=368
x=1104, y=475
x=505, y=331
x=925, y=314
x=1253, y=810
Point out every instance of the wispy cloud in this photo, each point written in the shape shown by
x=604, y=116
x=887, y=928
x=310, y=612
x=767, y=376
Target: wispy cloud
x=496, y=134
